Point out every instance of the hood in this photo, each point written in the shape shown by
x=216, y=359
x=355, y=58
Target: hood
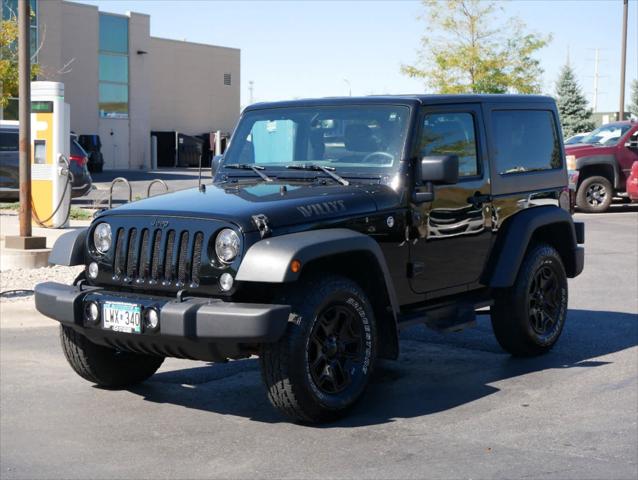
x=582, y=149
x=284, y=204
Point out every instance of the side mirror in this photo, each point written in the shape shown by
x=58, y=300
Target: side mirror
x=440, y=169
x=215, y=163
x=435, y=170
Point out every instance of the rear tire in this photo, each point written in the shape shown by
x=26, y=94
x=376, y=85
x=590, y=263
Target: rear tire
x=104, y=366
x=594, y=195
x=528, y=317
x=322, y=365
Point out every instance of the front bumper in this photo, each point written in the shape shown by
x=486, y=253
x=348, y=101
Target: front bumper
x=196, y=328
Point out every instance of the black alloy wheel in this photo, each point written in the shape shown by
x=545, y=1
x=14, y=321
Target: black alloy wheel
x=322, y=365
x=336, y=348
x=544, y=301
x=528, y=317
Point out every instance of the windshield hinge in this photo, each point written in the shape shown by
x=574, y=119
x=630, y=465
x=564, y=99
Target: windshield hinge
x=261, y=222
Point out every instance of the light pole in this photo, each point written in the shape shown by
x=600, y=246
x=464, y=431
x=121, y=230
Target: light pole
x=349, y=86
x=623, y=61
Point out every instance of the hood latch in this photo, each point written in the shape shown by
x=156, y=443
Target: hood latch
x=261, y=222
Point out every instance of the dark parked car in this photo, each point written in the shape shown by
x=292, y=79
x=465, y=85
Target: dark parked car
x=78, y=160
x=93, y=147
x=330, y=225
x=9, y=172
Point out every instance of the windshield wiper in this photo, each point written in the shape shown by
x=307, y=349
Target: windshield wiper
x=248, y=166
x=318, y=168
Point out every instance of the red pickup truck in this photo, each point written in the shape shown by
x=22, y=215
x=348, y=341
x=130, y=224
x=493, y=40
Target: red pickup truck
x=600, y=166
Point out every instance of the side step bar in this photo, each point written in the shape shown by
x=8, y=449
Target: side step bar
x=450, y=317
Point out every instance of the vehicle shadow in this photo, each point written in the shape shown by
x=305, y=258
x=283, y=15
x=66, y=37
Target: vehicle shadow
x=436, y=372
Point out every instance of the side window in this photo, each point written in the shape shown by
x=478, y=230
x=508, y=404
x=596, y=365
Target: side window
x=451, y=134
x=525, y=141
x=8, y=141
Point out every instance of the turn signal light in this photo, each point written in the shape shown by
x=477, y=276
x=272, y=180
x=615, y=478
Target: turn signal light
x=295, y=266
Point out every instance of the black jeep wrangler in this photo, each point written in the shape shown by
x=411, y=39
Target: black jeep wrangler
x=329, y=226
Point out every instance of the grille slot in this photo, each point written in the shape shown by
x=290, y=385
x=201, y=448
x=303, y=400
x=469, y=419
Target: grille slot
x=170, y=257
x=144, y=255
x=155, y=261
x=197, y=257
x=182, y=259
x=131, y=261
x=120, y=253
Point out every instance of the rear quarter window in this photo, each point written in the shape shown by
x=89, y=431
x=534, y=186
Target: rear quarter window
x=8, y=141
x=77, y=150
x=525, y=141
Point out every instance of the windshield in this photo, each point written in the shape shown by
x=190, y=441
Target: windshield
x=606, y=135
x=365, y=139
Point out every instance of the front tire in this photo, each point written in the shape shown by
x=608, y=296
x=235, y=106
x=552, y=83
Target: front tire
x=528, y=317
x=104, y=366
x=322, y=365
x=594, y=194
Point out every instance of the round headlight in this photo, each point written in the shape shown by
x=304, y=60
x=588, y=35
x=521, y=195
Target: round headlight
x=102, y=237
x=227, y=245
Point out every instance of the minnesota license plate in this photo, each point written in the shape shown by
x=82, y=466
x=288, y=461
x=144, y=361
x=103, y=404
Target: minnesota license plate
x=122, y=317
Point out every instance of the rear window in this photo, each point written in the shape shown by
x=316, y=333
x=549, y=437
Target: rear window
x=525, y=141
x=76, y=150
x=8, y=141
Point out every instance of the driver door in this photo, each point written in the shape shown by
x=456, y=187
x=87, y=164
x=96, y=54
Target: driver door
x=454, y=230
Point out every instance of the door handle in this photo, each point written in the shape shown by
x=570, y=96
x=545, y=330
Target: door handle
x=478, y=199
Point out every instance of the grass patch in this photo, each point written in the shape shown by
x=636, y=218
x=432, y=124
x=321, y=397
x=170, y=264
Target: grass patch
x=15, y=206
x=76, y=212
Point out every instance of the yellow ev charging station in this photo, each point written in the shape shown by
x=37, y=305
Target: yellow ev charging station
x=50, y=173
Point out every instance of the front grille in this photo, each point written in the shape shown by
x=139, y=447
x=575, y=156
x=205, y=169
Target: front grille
x=157, y=257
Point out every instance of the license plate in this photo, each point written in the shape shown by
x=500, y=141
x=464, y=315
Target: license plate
x=122, y=317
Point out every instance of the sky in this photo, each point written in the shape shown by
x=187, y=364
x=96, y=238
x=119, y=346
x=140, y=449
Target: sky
x=300, y=49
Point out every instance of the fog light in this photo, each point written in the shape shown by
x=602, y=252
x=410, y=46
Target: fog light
x=152, y=318
x=226, y=281
x=93, y=269
x=92, y=312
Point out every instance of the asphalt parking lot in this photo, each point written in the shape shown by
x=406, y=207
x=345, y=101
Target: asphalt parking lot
x=453, y=406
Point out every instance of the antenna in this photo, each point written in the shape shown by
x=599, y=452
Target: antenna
x=201, y=186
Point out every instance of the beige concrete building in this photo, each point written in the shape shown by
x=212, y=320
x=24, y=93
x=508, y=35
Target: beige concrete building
x=122, y=83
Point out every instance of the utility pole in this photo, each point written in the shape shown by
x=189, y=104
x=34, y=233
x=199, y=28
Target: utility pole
x=24, y=114
x=251, y=86
x=24, y=240
x=596, y=82
x=349, y=86
x=623, y=61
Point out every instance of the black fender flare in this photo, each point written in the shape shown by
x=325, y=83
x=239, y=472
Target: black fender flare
x=514, y=237
x=68, y=250
x=268, y=261
x=606, y=159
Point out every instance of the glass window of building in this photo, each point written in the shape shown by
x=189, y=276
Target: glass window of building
x=10, y=11
x=113, y=66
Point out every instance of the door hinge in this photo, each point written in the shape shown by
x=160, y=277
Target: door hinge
x=261, y=222
x=415, y=269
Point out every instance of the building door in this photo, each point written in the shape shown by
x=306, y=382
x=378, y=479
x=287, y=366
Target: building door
x=114, y=133
x=454, y=229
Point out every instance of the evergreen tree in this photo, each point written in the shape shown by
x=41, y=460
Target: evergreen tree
x=575, y=117
x=633, y=99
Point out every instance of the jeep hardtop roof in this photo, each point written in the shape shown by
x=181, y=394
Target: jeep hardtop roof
x=414, y=99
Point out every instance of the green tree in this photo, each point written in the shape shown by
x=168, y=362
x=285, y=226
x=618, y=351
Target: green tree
x=9, y=60
x=633, y=99
x=575, y=116
x=466, y=50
